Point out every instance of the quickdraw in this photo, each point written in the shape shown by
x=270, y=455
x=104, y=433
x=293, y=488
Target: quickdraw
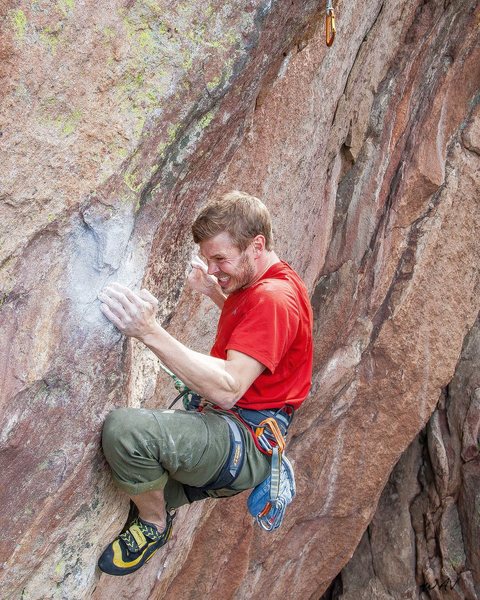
x=269, y=500
x=276, y=453
x=330, y=29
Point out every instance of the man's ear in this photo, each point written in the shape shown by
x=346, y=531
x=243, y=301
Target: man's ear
x=258, y=245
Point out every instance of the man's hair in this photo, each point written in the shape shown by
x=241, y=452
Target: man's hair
x=237, y=213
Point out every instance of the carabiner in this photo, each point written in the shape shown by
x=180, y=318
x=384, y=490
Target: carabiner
x=330, y=30
x=276, y=433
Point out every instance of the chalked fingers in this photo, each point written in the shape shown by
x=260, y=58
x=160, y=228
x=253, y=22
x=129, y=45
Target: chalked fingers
x=197, y=263
x=112, y=317
x=114, y=303
x=133, y=302
x=122, y=294
x=148, y=297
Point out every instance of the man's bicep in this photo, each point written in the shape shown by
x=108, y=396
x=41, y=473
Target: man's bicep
x=243, y=368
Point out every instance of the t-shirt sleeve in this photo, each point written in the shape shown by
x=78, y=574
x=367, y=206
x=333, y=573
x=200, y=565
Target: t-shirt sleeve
x=267, y=328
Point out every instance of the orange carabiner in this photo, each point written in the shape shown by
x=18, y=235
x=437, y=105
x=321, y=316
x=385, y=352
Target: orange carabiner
x=330, y=29
x=277, y=434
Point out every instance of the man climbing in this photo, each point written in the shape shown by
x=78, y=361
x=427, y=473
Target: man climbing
x=260, y=365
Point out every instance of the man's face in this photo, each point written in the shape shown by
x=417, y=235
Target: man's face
x=233, y=268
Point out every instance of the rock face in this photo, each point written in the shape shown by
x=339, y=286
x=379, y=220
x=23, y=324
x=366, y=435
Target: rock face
x=423, y=540
x=118, y=120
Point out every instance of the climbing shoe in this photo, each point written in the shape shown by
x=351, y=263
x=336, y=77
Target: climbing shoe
x=134, y=547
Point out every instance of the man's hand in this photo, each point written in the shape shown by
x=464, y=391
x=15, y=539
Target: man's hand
x=133, y=314
x=199, y=280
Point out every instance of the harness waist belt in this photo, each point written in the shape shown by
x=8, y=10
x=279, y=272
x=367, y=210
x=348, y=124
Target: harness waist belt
x=253, y=418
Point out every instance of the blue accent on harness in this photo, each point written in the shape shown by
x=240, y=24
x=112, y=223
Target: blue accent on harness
x=231, y=469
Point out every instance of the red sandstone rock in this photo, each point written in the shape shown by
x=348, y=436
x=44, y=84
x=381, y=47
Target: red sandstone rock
x=423, y=539
x=117, y=123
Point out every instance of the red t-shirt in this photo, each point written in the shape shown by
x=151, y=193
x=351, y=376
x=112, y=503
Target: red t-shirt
x=271, y=321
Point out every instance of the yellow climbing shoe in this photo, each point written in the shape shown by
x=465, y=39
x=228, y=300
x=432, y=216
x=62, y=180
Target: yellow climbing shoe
x=134, y=547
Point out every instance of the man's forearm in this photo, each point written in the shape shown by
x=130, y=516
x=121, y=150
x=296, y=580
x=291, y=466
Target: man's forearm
x=206, y=375
x=221, y=381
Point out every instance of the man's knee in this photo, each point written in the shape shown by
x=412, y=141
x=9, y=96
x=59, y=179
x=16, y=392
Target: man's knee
x=115, y=426
x=129, y=441
x=120, y=430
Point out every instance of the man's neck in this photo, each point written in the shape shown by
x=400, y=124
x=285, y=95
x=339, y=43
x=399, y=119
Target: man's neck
x=264, y=263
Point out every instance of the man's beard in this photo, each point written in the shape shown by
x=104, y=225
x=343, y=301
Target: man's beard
x=246, y=274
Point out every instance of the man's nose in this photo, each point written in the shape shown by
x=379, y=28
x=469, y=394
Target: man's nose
x=212, y=267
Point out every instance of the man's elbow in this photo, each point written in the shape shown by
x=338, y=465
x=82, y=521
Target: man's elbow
x=225, y=403
x=228, y=396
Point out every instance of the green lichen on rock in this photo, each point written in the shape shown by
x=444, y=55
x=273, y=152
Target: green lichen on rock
x=206, y=119
x=156, y=51
x=161, y=54
x=172, y=132
x=68, y=123
x=65, y=123
x=49, y=38
x=214, y=83
x=147, y=75
x=131, y=181
x=187, y=60
x=19, y=22
x=66, y=6
x=222, y=78
x=121, y=152
x=232, y=37
x=60, y=568
x=109, y=33
x=137, y=176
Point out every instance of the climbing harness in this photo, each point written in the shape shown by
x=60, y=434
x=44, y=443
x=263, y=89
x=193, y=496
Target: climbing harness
x=330, y=29
x=263, y=436
x=234, y=463
x=268, y=500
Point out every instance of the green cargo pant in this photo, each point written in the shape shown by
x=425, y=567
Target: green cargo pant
x=164, y=449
